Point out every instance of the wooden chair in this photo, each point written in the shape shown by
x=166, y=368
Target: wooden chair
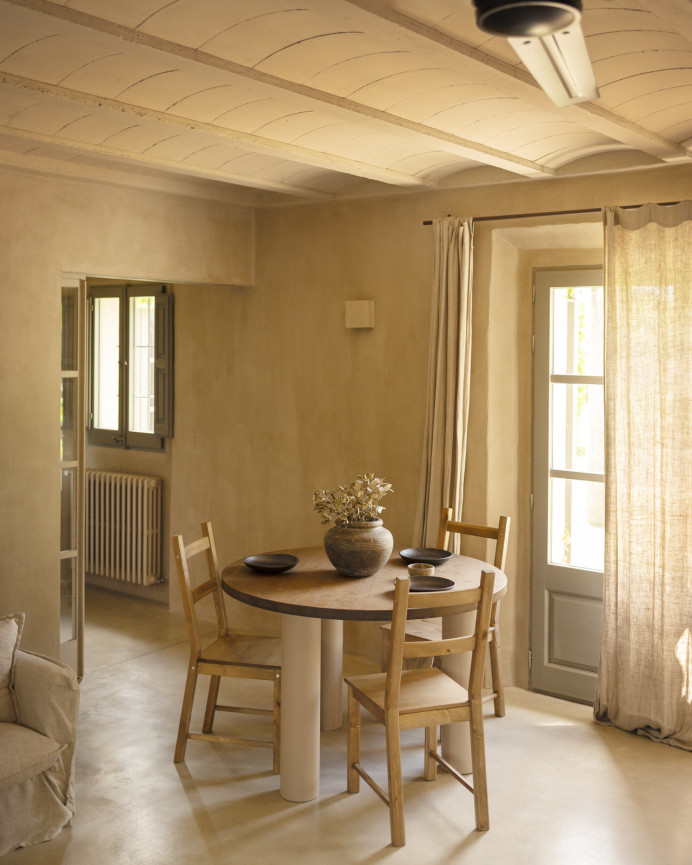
x=431, y=629
x=238, y=656
x=403, y=699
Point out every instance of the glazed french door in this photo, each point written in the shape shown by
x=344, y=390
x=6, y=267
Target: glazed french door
x=568, y=482
x=72, y=473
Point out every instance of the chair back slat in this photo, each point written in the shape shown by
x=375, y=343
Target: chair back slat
x=499, y=534
x=203, y=590
x=469, y=529
x=196, y=547
x=446, y=598
x=439, y=648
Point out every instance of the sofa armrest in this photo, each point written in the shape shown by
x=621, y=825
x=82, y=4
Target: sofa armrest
x=39, y=763
x=47, y=695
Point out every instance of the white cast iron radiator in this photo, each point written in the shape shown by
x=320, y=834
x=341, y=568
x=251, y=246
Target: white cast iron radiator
x=123, y=530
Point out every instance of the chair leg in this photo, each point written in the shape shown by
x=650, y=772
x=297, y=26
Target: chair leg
x=480, y=783
x=212, y=700
x=353, y=743
x=496, y=666
x=186, y=712
x=430, y=765
x=396, y=788
x=277, y=724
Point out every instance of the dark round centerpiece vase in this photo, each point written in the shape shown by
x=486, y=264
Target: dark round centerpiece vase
x=358, y=549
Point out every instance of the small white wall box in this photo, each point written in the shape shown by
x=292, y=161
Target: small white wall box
x=360, y=313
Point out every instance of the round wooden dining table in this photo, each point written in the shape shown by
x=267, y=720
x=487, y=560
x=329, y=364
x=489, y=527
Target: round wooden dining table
x=314, y=601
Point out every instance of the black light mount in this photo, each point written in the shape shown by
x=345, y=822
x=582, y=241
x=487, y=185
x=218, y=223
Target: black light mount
x=530, y=18
x=546, y=35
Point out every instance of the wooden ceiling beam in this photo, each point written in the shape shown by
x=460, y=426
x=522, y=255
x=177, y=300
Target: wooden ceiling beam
x=310, y=97
x=167, y=164
x=516, y=81
x=247, y=141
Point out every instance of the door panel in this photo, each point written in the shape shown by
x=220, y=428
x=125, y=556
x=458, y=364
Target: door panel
x=568, y=483
x=573, y=638
x=71, y=555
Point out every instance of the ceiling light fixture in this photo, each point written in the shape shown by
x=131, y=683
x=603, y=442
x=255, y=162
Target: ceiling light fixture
x=547, y=37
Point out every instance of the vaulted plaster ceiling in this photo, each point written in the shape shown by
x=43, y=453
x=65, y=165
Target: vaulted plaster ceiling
x=318, y=99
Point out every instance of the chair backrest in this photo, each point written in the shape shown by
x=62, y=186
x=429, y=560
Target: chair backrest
x=499, y=533
x=401, y=647
x=191, y=595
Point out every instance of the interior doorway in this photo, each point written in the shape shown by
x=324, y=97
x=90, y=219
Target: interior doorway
x=77, y=458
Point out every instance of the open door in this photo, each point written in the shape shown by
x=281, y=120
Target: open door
x=72, y=435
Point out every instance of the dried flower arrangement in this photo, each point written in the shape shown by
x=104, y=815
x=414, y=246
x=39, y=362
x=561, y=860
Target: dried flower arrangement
x=359, y=502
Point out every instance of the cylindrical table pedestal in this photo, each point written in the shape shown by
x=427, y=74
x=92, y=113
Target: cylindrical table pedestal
x=300, y=708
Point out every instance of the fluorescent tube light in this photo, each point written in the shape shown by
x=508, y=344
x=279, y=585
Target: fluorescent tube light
x=560, y=64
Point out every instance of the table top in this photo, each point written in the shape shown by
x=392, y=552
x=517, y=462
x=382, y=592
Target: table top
x=313, y=588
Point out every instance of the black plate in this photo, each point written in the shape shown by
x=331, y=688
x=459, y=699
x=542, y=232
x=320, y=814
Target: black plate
x=430, y=584
x=427, y=555
x=271, y=563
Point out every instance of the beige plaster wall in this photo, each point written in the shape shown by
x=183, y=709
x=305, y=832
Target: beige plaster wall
x=274, y=396
x=362, y=395
x=298, y=401
x=48, y=226
x=495, y=461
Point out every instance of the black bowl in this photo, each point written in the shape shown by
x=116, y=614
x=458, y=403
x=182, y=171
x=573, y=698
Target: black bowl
x=271, y=563
x=426, y=555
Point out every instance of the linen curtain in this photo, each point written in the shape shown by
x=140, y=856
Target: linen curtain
x=449, y=376
x=646, y=654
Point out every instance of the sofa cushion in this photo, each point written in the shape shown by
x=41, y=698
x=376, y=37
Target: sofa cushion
x=10, y=633
x=24, y=753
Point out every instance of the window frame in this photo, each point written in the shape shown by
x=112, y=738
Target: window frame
x=163, y=367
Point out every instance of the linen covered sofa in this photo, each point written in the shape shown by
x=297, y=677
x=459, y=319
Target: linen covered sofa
x=39, y=701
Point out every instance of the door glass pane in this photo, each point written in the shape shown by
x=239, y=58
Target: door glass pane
x=69, y=328
x=577, y=523
x=68, y=585
x=577, y=427
x=577, y=330
x=68, y=419
x=68, y=510
x=141, y=364
x=106, y=357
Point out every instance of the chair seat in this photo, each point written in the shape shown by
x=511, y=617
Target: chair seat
x=244, y=650
x=420, y=689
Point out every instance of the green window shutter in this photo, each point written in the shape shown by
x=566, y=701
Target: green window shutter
x=163, y=367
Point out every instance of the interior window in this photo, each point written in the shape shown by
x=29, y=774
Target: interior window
x=131, y=366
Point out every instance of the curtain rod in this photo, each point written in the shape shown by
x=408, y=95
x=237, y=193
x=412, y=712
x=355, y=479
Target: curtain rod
x=550, y=213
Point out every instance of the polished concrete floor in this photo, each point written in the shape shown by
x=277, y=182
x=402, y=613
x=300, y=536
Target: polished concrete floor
x=563, y=790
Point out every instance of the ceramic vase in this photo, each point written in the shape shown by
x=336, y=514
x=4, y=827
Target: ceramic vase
x=358, y=549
